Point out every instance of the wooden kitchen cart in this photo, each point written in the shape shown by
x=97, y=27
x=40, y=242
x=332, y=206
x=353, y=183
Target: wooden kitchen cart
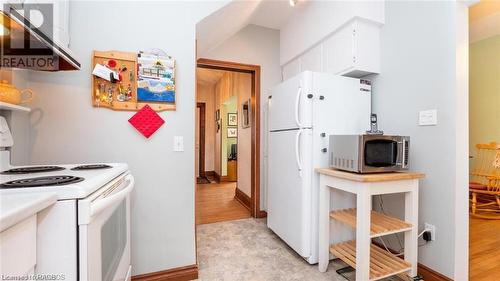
x=370, y=261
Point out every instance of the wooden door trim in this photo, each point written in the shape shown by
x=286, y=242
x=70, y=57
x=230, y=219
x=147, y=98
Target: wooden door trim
x=201, y=150
x=254, y=70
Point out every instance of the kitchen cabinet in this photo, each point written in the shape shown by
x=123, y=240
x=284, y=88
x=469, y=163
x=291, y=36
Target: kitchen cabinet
x=18, y=231
x=18, y=248
x=354, y=50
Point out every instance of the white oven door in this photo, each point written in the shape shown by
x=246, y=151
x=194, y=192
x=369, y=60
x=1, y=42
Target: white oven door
x=104, y=232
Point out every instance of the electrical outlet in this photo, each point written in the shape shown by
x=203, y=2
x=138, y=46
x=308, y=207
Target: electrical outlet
x=432, y=229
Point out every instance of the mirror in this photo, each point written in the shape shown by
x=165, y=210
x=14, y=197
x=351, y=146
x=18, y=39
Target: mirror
x=245, y=113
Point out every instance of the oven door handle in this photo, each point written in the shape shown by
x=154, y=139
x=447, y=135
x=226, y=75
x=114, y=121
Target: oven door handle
x=101, y=204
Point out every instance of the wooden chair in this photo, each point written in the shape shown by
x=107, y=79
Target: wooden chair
x=484, y=184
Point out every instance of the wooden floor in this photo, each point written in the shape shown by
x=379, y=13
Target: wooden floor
x=484, y=256
x=215, y=202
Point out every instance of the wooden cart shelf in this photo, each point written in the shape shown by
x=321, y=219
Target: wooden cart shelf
x=380, y=224
x=382, y=263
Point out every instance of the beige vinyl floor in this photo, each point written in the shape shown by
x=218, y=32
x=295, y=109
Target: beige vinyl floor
x=246, y=250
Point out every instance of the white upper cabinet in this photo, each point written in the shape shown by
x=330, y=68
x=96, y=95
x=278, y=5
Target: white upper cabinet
x=354, y=50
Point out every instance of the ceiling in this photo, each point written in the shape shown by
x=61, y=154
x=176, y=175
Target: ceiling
x=208, y=77
x=274, y=14
x=483, y=9
x=227, y=21
x=484, y=20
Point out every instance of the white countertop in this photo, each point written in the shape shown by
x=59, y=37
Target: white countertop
x=16, y=207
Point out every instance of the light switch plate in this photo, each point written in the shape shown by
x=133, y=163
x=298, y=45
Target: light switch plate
x=178, y=143
x=427, y=117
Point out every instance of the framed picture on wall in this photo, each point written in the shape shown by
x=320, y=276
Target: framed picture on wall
x=245, y=113
x=232, y=132
x=232, y=119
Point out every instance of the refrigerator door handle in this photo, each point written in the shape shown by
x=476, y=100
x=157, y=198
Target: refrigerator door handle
x=297, y=103
x=297, y=150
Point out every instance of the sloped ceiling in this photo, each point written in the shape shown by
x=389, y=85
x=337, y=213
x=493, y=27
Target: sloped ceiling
x=224, y=23
x=208, y=77
x=484, y=20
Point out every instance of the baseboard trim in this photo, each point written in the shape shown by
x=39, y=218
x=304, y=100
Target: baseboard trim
x=243, y=198
x=217, y=176
x=262, y=214
x=220, y=178
x=430, y=274
x=184, y=273
x=225, y=179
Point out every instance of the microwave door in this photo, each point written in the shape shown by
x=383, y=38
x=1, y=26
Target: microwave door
x=380, y=155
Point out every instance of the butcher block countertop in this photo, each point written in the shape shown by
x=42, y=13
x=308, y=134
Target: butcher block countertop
x=375, y=177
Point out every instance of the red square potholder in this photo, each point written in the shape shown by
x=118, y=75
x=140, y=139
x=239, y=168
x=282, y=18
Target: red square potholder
x=146, y=121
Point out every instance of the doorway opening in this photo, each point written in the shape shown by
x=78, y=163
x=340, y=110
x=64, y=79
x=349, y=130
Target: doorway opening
x=484, y=141
x=227, y=141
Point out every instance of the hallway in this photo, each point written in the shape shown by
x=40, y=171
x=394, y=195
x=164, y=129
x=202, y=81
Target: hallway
x=215, y=202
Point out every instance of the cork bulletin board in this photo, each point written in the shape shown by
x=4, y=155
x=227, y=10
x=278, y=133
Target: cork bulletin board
x=129, y=81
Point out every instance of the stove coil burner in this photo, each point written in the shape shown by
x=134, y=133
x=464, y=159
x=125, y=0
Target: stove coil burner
x=41, y=181
x=91, y=167
x=29, y=170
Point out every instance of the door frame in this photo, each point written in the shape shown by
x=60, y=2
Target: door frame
x=201, y=138
x=254, y=70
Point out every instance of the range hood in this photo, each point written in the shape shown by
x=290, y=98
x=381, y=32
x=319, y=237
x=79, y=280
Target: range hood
x=24, y=46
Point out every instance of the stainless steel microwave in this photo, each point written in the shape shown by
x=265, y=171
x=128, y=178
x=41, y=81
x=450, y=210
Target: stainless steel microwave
x=369, y=153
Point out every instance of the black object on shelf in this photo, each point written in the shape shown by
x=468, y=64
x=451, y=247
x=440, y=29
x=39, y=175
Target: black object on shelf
x=233, y=155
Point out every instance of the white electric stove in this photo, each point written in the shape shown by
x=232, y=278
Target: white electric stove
x=86, y=235
x=74, y=181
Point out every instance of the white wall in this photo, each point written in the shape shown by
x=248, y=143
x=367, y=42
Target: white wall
x=484, y=92
x=421, y=68
x=243, y=88
x=206, y=94
x=261, y=46
x=318, y=19
x=67, y=129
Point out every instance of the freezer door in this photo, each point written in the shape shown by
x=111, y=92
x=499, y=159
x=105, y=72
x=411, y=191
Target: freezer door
x=289, y=105
x=345, y=109
x=289, y=188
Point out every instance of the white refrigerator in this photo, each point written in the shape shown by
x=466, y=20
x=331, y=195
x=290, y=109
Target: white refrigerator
x=302, y=112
